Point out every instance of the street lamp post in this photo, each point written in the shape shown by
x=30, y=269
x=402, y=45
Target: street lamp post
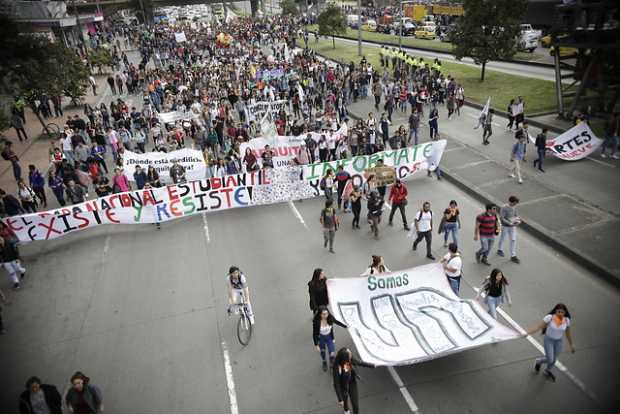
x=359, y=27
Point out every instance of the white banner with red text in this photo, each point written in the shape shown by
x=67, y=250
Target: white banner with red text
x=574, y=144
x=191, y=160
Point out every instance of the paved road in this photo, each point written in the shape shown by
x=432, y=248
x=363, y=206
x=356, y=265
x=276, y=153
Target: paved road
x=506, y=67
x=143, y=313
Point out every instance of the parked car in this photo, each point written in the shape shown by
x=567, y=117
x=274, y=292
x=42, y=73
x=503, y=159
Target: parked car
x=384, y=28
x=370, y=26
x=426, y=32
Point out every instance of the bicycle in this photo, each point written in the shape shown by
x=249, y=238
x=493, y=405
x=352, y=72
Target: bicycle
x=51, y=131
x=244, y=325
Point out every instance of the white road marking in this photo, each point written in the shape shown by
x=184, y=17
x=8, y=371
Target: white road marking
x=541, y=349
x=403, y=390
x=230, y=381
x=205, y=226
x=106, y=246
x=297, y=213
x=601, y=162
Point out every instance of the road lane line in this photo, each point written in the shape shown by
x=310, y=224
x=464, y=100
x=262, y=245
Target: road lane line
x=297, y=213
x=205, y=226
x=230, y=381
x=580, y=384
x=601, y=162
x=403, y=390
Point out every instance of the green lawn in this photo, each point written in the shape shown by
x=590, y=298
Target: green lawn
x=538, y=94
x=410, y=41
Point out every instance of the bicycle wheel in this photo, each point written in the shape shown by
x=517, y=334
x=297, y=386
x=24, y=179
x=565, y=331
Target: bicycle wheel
x=244, y=329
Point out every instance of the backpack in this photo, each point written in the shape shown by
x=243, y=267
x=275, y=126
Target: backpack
x=322, y=184
x=329, y=220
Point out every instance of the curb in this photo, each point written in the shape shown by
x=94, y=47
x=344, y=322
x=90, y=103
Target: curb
x=535, y=230
x=425, y=49
x=538, y=232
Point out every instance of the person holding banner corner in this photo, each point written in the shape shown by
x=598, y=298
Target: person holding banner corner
x=345, y=379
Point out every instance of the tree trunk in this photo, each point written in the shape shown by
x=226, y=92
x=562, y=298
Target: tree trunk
x=333, y=41
x=254, y=7
x=484, y=64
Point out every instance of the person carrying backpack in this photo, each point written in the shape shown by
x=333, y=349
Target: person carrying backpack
x=424, y=228
x=329, y=221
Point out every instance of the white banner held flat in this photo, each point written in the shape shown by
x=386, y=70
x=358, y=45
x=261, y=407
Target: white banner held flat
x=574, y=144
x=191, y=160
x=410, y=316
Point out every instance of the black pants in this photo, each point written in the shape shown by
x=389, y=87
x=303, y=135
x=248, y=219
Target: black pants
x=341, y=185
x=428, y=235
x=356, y=207
x=40, y=192
x=353, y=396
x=541, y=157
x=401, y=207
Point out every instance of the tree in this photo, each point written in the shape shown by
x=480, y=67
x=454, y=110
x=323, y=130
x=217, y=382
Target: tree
x=332, y=22
x=100, y=58
x=488, y=30
x=289, y=7
x=33, y=66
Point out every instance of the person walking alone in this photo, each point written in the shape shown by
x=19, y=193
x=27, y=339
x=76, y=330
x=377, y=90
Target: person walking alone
x=495, y=289
x=451, y=223
x=398, y=197
x=317, y=290
x=329, y=221
x=345, y=379
x=424, y=228
x=83, y=397
x=553, y=326
x=541, y=149
x=488, y=127
x=517, y=155
x=509, y=220
x=9, y=256
x=355, y=200
x=375, y=209
x=487, y=228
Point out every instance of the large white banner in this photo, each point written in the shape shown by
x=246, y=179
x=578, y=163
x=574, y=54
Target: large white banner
x=411, y=316
x=574, y=144
x=191, y=160
x=285, y=148
x=165, y=203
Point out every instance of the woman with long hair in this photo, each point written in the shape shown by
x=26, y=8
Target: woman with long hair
x=317, y=290
x=345, y=379
x=376, y=266
x=495, y=288
x=553, y=326
x=323, y=334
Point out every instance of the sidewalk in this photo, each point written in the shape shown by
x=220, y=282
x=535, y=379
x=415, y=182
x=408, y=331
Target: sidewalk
x=35, y=150
x=574, y=206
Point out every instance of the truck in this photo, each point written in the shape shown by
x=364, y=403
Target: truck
x=528, y=38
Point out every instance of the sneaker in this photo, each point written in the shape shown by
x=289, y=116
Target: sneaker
x=23, y=274
x=500, y=253
x=332, y=251
x=390, y=224
x=445, y=245
x=537, y=367
x=484, y=261
x=603, y=156
x=615, y=157
x=325, y=244
x=430, y=256
x=541, y=170
x=550, y=375
x=511, y=175
x=251, y=319
x=478, y=257
x=515, y=259
x=16, y=286
x=324, y=366
x=520, y=181
x=414, y=247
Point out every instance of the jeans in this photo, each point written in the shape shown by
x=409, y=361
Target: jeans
x=413, y=132
x=451, y=228
x=486, y=244
x=428, y=236
x=541, y=158
x=328, y=237
x=455, y=284
x=492, y=303
x=611, y=141
x=17, y=170
x=511, y=232
x=326, y=341
x=553, y=347
x=516, y=170
x=13, y=268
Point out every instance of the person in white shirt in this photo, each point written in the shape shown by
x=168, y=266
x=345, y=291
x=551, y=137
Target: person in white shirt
x=553, y=326
x=453, y=267
x=424, y=228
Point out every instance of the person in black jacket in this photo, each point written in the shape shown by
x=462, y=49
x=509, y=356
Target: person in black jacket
x=37, y=397
x=541, y=147
x=323, y=334
x=11, y=204
x=9, y=257
x=345, y=379
x=317, y=289
x=84, y=396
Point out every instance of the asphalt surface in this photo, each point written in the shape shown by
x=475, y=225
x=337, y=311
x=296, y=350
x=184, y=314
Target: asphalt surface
x=142, y=312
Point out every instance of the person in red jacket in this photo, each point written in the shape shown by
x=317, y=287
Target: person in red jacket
x=398, y=198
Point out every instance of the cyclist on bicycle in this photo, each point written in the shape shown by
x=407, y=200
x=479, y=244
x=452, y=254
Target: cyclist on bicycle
x=238, y=292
